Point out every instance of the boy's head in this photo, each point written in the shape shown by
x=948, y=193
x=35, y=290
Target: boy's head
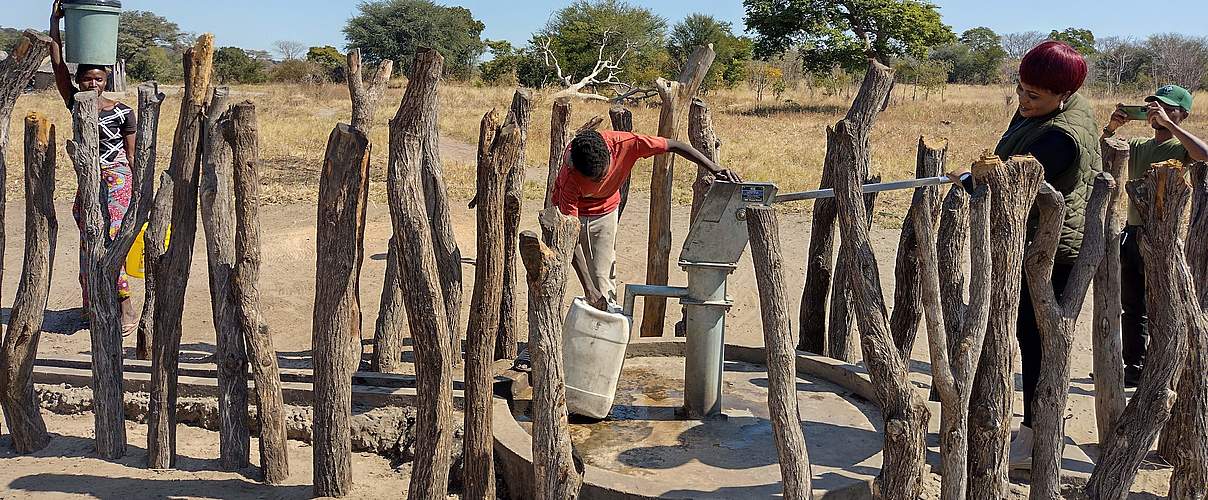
x=589, y=155
x=1175, y=100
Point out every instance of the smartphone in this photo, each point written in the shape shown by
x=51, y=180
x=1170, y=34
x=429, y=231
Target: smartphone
x=1136, y=112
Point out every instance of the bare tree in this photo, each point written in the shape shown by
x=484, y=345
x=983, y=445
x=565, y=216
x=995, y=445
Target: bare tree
x=289, y=49
x=605, y=74
x=1018, y=44
x=1179, y=59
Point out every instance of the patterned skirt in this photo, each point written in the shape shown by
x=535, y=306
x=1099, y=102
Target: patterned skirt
x=118, y=182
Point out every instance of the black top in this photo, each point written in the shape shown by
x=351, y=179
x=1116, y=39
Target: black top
x=1057, y=149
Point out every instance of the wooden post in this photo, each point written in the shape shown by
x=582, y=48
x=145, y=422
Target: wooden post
x=555, y=472
x=365, y=99
x=240, y=130
x=509, y=321
x=172, y=269
x=842, y=340
x=795, y=473
x=676, y=97
x=703, y=137
x=1056, y=319
x=1184, y=441
x=146, y=140
x=622, y=121
x=559, y=138
x=493, y=171
x=20, y=348
x=444, y=244
x=426, y=315
x=336, y=340
x=861, y=116
x=902, y=408
x=153, y=249
x=1108, y=361
x=907, y=308
x=1161, y=197
x=16, y=71
x=955, y=329
x=216, y=192
x=1013, y=186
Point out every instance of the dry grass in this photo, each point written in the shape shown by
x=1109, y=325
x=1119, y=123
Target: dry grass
x=778, y=142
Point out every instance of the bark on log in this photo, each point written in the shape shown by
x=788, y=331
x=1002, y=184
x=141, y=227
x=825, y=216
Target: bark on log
x=1184, y=441
x=1056, y=319
x=556, y=475
x=703, y=137
x=217, y=196
x=860, y=117
x=444, y=243
x=764, y=232
x=622, y=121
x=336, y=339
x=842, y=338
x=956, y=330
x=16, y=71
x=153, y=249
x=592, y=123
x=509, y=321
x=1161, y=198
x=430, y=328
x=559, y=138
x=146, y=140
x=241, y=131
x=676, y=96
x=1013, y=186
x=172, y=269
x=20, y=348
x=907, y=308
x=1108, y=361
x=365, y=99
x=388, y=331
x=903, y=410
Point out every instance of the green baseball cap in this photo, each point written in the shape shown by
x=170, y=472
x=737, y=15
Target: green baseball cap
x=1173, y=95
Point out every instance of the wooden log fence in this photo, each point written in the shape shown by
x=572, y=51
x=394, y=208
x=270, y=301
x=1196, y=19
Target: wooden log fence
x=559, y=138
x=764, y=232
x=444, y=243
x=703, y=137
x=508, y=337
x=1107, y=349
x=841, y=336
x=675, y=95
x=907, y=307
x=622, y=121
x=21, y=411
x=556, y=474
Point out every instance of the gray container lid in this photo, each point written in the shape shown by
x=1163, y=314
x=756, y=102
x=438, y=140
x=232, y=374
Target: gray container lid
x=103, y=3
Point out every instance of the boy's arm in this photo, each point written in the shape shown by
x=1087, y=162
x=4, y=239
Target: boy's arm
x=1197, y=150
x=691, y=154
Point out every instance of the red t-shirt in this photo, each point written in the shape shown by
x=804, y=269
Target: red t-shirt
x=577, y=195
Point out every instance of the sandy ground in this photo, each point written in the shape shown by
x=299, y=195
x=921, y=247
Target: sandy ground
x=287, y=290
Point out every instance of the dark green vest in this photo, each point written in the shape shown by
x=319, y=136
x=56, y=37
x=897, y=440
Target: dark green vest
x=1077, y=121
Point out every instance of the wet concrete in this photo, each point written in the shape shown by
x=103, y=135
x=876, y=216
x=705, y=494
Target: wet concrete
x=646, y=437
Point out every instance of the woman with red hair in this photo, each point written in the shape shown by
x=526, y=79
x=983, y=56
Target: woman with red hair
x=1056, y=125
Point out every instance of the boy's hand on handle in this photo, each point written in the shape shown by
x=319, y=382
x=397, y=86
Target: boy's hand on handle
x=727, y=175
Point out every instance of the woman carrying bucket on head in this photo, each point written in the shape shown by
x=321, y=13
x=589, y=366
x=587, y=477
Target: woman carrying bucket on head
x=116, y=122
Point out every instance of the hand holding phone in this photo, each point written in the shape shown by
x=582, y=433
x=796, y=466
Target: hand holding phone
x=1138, y=113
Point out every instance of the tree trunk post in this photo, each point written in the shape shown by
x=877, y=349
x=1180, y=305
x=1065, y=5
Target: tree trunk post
x=1057, y=318
x=217, y=196
x=153, y=248
x=622, y=121
x=146, y=140
x=907, y=308
x=1108, y=361
x=559, y=139
x=555, y=472
x=956, y=330
x=20, y=349
x=703, y=137
x=764, y=231
x=336, y=340
x=842, y=339
x=423, y=297
x=172, y=269
x=241, y=131
x=509, y=321
x=1161, y=197
x=861, y=116
x=903, y=410
x=444, y=244
x=676, y=95
x=388, y=331
x=1013, y=186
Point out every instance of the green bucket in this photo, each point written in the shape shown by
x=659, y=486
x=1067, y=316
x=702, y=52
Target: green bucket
x=92, y=31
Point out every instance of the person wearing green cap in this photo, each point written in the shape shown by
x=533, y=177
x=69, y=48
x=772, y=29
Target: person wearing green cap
x=1167, y=108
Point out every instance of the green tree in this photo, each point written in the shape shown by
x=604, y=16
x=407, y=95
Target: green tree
x=234, y=65
x=330, y=59
x=576, y=32
x=501, y=69
x=392, y=29
x=1080, y=38
x=298, y=71
x=733, y=52
x=156, y=63
x=845, y=32
x=9, y=38
x=139, y=30
x=977, y=58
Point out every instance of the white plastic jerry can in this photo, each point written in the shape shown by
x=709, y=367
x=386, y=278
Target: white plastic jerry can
x=593, y=353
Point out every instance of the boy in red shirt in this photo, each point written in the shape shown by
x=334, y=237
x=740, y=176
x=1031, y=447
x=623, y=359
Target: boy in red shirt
x=588, y=186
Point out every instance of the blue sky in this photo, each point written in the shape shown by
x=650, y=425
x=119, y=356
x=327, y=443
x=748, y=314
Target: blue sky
x=256, y=24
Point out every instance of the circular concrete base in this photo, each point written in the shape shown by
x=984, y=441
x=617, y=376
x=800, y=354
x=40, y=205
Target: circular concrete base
x=645, y=449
